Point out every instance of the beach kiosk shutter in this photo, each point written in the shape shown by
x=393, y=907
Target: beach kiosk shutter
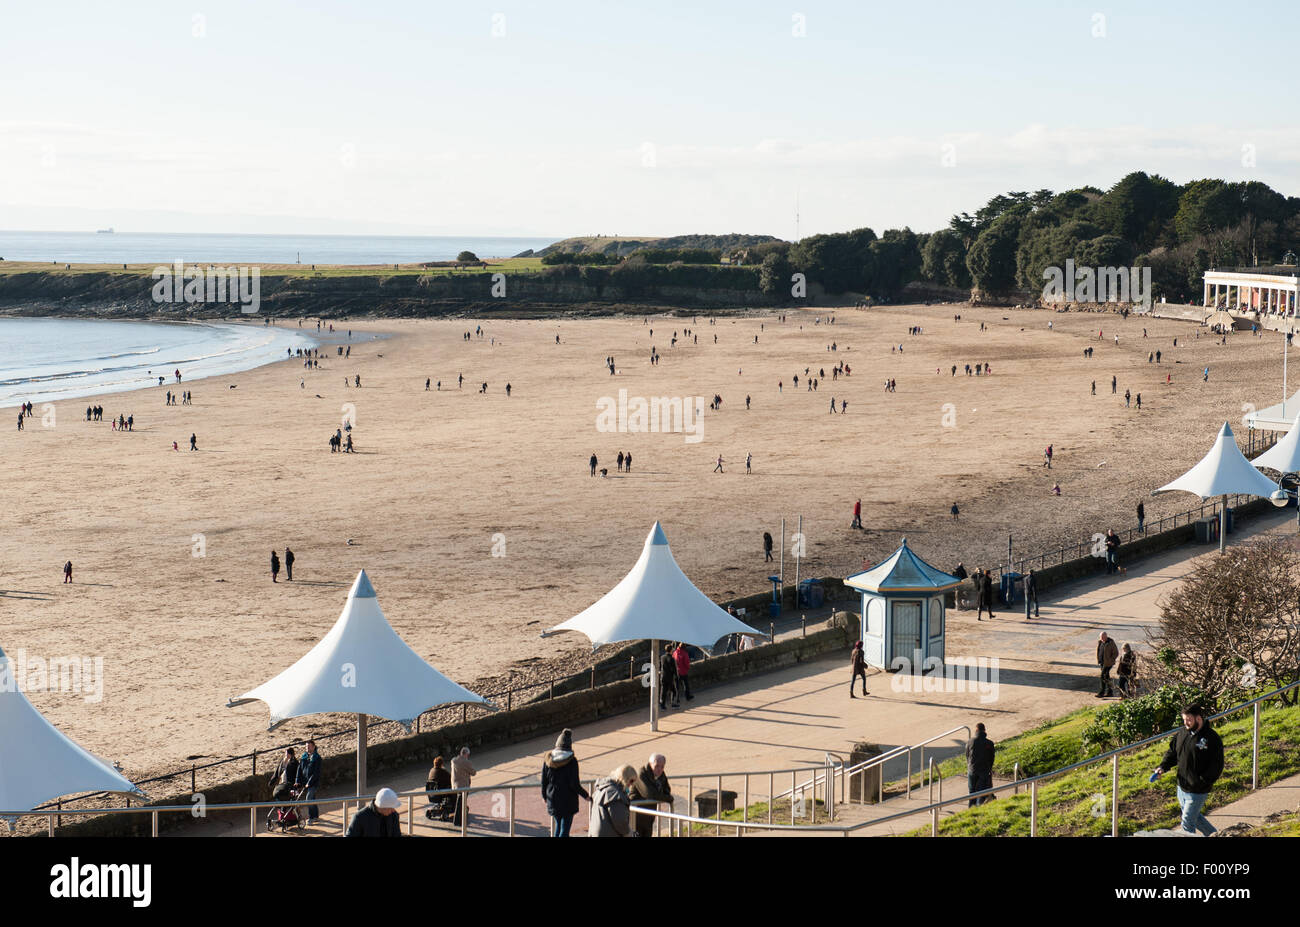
x=903, y=613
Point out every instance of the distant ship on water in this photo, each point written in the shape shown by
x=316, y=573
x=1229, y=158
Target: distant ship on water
x=103, y=231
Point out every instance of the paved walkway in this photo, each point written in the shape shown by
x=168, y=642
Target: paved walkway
x=795, y=716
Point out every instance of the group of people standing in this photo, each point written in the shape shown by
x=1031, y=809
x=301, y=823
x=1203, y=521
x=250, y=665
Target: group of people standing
x=611, y=797
x=288, y=565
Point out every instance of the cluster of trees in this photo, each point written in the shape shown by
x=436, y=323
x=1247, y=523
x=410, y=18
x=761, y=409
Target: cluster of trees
x=579, y=257
x=635, y=276
x=1143, y=220
x=1179, y=231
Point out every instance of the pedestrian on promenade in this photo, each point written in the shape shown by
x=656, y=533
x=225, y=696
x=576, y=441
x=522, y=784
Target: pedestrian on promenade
x=462, y=772
x=683, y=660
x=309, y=779
x=1107, y=654
x=960, y=573
x=1127, y=672
x=668, y=675
x=767, y=546
x=611, y=810
x=859, y=665
x=379, y=818
x=980, y=752
x=984, y=587
x=1112, y=551
x=1031, y=593
x=651, y=785
x=1197, y=752
x=561, y=784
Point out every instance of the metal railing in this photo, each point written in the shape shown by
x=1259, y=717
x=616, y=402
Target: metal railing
x=1032, y=782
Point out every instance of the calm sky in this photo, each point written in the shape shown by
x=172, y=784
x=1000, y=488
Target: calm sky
x=634, y=118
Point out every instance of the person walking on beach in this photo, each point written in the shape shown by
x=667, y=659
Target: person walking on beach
x=1139, y=402
x=1031, y=594
x=627, y=462
x=683, y=660
x=309, y=779
x=561, y=784
x=985, y=598
x=858, y=663
x=1197, y=752
x=1113, y=381
x=857, y=515
x=954, y=511
x=288, y=564
x=980, y=753
x=1094, y=387
x=767, y=546
x=1142, y=516
x=749, y=460
x=718, y=468
x=1128, y=395
x=593, y=463
x=67, y=572
x=193, y=443
x=1107, y=654
x=275, y=566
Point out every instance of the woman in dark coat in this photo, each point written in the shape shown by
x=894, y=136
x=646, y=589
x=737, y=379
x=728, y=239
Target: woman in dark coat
x=561, y=784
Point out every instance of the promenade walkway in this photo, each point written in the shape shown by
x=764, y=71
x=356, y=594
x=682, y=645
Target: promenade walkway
x=1045, y=668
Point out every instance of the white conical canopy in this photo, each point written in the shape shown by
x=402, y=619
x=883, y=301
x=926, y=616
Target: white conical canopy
x=360, y=667
x=655, y=601
x=1284, y=456
x=38, y=763
x=1222, y=471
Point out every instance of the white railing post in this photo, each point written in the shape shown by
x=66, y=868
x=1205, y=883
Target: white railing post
x=934, y=822
x=717, y=806
x=771, y=795
x=1015, y=778
x=1114, y=795
x=744, y=814
x=512, y=811
x=1254, y=750
x=252, y=822
x=1033, y=808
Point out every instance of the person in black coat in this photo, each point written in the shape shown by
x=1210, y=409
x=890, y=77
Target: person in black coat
x=275, y=566
x=561, y=784
x=980, y=752
x=1031, y=594
x=1197, y=751
x=379, y=818
x=984, y=590
x=668, y=678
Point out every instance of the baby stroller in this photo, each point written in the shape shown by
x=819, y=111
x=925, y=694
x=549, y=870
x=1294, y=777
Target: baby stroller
x=441, y=807
x=285, y=816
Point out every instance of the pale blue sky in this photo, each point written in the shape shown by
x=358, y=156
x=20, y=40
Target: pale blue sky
x=628, y=118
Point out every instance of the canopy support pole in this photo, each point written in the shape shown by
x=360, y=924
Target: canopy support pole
x=654, y=686
x=1223, y=522
x=361, y=754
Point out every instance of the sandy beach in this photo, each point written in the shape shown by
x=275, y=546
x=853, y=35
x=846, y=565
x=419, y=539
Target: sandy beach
x=479, y=524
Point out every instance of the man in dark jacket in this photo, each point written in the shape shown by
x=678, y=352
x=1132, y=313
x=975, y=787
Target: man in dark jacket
x=979, y=764
x=651, y=785
x=1107, y=654
x=1197, y=751
x=379, y=818
x=984, y=589
x=561, y=784
x=309, y=778
x=1031, y=593
x=288, y=563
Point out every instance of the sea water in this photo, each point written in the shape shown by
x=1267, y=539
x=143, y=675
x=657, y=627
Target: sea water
x=46, y=360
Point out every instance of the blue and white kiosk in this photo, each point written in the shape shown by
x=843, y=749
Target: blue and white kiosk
x=903, y=611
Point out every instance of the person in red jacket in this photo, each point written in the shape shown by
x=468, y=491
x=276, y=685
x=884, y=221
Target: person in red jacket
x=683, y=661
x=857, y=515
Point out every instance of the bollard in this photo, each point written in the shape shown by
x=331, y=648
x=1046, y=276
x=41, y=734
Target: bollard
x=803, y=622
x=593, y=677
